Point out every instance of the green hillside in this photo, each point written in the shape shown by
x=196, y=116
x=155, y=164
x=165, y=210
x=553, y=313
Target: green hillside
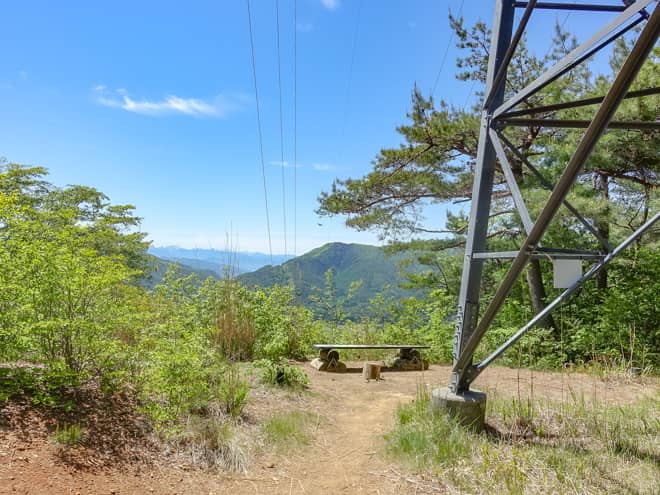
x=349, y=262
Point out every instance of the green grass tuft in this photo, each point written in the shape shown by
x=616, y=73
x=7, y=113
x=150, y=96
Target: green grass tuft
x=424, y=439
x=69, y=435
x=232, y=391
x=289, y=429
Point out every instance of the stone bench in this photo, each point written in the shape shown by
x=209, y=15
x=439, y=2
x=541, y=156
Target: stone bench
x=408, y=358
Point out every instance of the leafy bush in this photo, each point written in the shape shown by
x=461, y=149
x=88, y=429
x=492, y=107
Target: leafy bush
x=177, y=372
x=68, y=260
x=282, y=374
x=50, y=387
x=282, y=328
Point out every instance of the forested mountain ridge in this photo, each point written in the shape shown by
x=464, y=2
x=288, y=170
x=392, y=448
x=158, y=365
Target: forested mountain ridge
x=359, y=273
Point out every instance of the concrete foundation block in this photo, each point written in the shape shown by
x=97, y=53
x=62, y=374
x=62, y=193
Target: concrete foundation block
x=468, y=407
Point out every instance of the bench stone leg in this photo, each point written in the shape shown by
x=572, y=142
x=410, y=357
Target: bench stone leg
x=328, y=360
x=410, y=360
x=319, y=364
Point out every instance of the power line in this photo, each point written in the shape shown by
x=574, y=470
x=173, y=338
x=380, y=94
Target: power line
x=444, y=56
x=261, y=143
x=279, y=85
x=295, y=127
x=470, y=95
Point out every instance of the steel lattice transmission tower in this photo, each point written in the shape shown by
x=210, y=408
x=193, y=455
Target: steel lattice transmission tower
x=497, y=114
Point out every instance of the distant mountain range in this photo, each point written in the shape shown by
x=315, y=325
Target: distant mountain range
x=217, y=261
x=377, y=271
x=160, y=266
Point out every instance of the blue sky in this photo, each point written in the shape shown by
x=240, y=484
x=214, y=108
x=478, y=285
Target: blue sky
x=153, y=104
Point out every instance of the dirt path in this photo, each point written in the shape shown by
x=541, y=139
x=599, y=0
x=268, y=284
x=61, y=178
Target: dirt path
x=348, y=459
x=345, y=455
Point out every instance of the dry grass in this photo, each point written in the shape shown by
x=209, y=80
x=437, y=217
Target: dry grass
x=210, y=443
x=536, y=446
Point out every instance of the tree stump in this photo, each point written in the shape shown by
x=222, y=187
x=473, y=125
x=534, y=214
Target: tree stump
x=371, y=371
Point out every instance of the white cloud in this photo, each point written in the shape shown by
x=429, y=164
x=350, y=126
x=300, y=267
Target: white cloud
x=330, y=4
x=323, y=167
x=219, y=106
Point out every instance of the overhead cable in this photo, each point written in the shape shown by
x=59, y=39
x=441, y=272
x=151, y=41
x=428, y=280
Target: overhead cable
x=261, y=143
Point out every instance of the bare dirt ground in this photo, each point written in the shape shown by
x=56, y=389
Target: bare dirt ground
x=345, y=455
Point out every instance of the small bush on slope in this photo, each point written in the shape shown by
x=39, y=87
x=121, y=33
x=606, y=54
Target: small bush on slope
x=282, y=374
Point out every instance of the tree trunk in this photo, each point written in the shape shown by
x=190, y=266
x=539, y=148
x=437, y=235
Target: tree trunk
x=534, y=273
x=603, y=224
x=537, y=293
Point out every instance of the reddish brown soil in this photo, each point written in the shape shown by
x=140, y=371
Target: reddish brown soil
x=344, y=457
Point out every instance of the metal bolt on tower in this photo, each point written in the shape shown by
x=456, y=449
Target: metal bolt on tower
x=497, y=114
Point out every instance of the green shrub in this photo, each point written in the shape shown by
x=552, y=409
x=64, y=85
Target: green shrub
x=283, y=330
x=282, y=374
x=52, y=387
x=177, y=375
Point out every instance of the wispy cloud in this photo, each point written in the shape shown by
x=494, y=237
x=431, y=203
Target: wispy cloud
x=20, y=77
x=323, y=167
x=220, y=106
x=305, y=27
x=330, y=4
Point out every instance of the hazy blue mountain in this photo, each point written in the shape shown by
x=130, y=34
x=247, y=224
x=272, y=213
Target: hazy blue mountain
x=216, y=260
x=160, y=266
